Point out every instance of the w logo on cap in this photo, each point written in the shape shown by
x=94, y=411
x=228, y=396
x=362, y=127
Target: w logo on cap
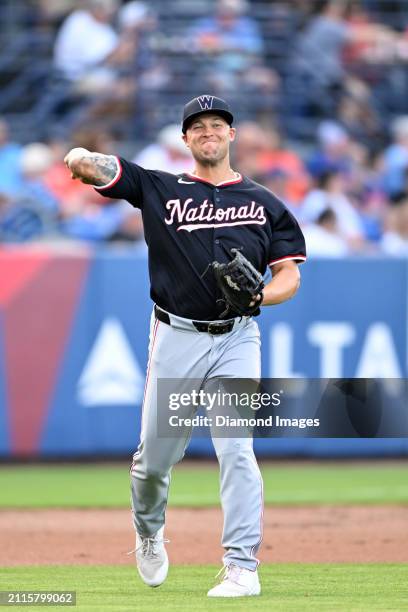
x=205, y=102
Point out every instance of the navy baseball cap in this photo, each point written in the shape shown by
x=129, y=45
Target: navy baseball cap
x=205, y=104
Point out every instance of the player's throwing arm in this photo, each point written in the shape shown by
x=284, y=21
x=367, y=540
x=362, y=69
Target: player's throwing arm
x=91, y=168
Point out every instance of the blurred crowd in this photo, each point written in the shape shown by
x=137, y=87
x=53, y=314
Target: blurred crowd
x=320, y=89
x=347, y=201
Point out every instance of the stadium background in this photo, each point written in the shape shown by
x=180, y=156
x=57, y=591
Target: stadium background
x=328, y=132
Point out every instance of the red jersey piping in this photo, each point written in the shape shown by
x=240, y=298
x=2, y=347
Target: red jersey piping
x=301, y=258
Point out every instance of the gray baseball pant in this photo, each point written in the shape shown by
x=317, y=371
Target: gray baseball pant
x=181, y=352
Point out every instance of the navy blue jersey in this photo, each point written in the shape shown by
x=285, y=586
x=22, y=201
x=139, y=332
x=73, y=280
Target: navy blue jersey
x=189, y=223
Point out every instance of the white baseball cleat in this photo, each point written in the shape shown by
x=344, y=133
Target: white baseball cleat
x=151, y=558
x=237, y=582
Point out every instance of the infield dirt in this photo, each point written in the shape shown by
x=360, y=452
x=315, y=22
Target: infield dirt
x=314, y=534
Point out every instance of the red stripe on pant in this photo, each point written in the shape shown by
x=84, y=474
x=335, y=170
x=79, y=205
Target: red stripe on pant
x=155, y=328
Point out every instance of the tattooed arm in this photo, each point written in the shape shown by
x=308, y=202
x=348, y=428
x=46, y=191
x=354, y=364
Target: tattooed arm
x=91, y=168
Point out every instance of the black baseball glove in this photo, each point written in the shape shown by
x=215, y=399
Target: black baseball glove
x=240, y=283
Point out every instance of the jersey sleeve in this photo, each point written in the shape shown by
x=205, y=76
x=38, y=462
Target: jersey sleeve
x=288, y=242
x=127, y=183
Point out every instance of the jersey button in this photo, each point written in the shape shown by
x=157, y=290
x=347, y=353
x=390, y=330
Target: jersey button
x=217, y=241
x=217, y=200
x=217, y=190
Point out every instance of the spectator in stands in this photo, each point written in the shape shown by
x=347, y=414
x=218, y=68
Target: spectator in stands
x=357, y=115
x=145, y=69
x=90, y=54
x=232, y=48
x=107, y=69
x=36, y=159
x=370, y=43
x=333, y=150
x=86, y=40
x=10, y=154
x=330, y=193
x=261, y=154
x=168, y=154
x=365, y=183
x=230, y=33
x=277, y=157
x=316, y=65
x=32, y=211
x=396, y=157
x=323, y=238
x=318, y=58
x=251, y=142
x=97, y=224
x=395, y=239
x=138, y=25
x=338, y=152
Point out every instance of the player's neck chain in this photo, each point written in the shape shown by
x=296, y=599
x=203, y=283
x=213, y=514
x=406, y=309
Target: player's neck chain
x=236, y=177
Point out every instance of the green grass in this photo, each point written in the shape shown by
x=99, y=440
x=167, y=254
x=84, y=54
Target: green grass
x=197, y=485
x=285, y=588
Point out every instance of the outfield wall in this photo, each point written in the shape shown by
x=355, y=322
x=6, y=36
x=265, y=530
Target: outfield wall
x=73, y=347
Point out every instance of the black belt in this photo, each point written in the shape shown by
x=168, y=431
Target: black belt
x=212, y=327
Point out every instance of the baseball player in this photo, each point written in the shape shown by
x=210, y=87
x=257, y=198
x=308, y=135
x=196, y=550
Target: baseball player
x=202, y=325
